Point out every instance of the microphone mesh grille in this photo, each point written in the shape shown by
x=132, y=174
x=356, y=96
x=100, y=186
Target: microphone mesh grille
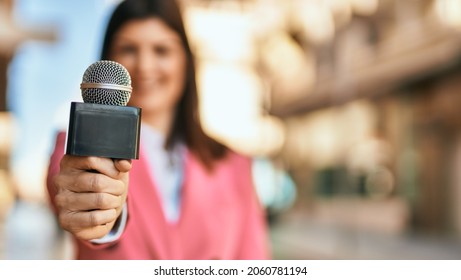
x=106, y=72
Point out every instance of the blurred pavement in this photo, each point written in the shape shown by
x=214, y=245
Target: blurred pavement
x=296, y=238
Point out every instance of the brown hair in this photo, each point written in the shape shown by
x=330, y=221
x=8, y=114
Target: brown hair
x=186, y=125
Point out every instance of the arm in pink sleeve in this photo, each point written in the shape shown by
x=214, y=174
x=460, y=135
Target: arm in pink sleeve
x=255, y=242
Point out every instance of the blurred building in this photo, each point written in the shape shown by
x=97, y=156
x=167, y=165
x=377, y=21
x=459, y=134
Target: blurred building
x=374, y=142
x=9, y=38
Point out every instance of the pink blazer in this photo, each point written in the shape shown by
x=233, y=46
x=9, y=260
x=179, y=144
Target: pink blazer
x=221, y=217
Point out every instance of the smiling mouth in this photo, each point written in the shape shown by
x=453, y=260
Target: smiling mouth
x=146, y=84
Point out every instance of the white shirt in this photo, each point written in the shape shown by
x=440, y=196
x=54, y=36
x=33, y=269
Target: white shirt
x=166, y=168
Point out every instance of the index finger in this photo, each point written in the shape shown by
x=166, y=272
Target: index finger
x=101, y=165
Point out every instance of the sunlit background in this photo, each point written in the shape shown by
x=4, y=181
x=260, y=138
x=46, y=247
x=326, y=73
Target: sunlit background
x=350, y=109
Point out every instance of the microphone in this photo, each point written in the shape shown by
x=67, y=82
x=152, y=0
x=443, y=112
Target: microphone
x=103, y=125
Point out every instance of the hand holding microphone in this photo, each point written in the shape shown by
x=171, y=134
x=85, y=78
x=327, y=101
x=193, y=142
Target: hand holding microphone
x=103, y=137
x=89, y=202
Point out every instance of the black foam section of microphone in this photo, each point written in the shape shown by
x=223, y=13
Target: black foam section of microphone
x=104, y=131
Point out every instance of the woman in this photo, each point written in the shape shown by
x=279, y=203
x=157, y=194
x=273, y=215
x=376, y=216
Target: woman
x=187, y=197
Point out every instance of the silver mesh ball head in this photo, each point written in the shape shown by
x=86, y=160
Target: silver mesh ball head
x=106, y=82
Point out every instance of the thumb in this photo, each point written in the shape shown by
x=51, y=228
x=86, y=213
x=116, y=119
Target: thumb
x=123, y=165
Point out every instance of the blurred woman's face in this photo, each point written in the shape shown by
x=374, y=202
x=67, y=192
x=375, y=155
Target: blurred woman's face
x=154, y=56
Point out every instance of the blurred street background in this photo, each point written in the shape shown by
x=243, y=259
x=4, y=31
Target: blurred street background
x=350, y=109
